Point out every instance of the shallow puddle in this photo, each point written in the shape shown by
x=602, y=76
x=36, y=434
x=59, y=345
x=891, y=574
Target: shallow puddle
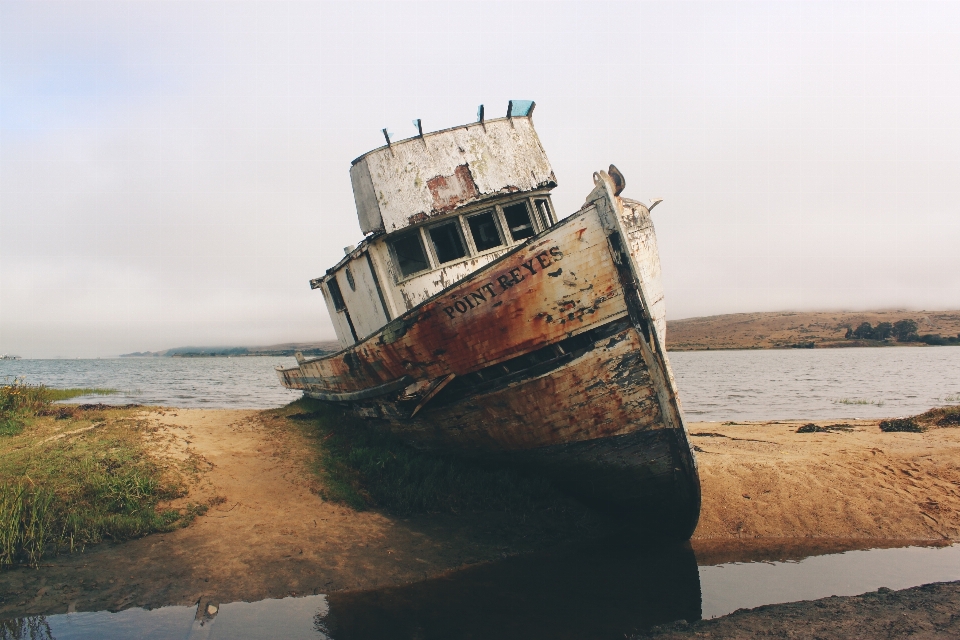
x=604, y=590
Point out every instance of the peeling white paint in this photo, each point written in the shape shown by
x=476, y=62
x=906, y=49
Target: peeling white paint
x=413, y=180
x=642, y=239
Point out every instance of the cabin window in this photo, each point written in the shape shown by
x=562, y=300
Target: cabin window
x=336, y=294
x=543, y=212
x=448, y=242
x=483, y=228
x=518, y=221
x=411, y=258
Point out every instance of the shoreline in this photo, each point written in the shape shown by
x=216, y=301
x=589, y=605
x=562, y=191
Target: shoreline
x=268, y=534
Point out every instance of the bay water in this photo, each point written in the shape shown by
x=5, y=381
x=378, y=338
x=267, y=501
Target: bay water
x=721, y=386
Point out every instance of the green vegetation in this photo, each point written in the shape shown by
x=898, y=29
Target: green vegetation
x=56, y=395
x=20, y=401
x=68, y=484
x=939, y=417
x=364, y=467
x=858, y=401
x=901, y=331
x=907, y=425
x=811, y=427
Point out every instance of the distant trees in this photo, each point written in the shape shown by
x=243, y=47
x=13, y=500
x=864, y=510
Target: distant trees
x=863, y=332
x=866, y=331
x=883, y=330
x=901, y=331
x=904, y=330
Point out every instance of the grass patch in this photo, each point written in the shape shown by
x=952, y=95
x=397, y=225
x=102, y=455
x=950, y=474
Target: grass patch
x=19, y=402
x=811, y=427
x=940, y=417
x=65, y=485
x=904, y=425
x=57, y=395
x=365, y=467
x=858, y=401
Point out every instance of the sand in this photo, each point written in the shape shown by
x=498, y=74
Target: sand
x=271, y=535
x=786, y=329
x=765, y=480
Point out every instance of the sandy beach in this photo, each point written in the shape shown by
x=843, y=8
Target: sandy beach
x=268, y=533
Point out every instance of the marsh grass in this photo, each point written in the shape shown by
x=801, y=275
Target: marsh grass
x=67, y=484
x=19, y=402
x=364, y=467
x=859, y=401
x=937, y=417
x=32, y=627
x=940, y=417
x=57, y=395
x=901, y=425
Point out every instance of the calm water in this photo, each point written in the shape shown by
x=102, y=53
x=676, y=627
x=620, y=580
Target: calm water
x=714, y=385
x=816, y=383
x=248, y=382
x=591, y=591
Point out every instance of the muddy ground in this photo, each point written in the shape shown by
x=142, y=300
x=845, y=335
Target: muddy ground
x=930, y=611
x=270, y=535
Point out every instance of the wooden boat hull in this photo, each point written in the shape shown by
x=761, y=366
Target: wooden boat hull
x=551, y=357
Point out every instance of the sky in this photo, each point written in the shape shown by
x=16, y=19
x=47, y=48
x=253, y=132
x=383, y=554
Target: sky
x=175, y=173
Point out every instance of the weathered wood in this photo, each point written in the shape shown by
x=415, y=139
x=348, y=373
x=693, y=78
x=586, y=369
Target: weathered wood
x=560, y=283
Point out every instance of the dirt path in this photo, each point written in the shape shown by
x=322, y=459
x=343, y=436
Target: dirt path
x=765, y=480
x=269, y=535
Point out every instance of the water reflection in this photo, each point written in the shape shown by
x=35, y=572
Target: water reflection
x=595, y=591
x=32, y=628
x=601, y=589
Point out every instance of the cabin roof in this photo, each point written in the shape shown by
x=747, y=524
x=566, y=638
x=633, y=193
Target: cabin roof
x=411, y=181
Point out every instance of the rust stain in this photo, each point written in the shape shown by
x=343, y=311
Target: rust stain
x=417, y=218
x=490, y=316
x=453, y=190
x=605, y=392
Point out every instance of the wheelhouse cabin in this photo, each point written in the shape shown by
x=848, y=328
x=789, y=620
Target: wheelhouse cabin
x=436, y=208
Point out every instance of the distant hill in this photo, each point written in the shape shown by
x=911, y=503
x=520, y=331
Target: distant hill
x=782, y=330
x=286, y=349
x=770, y=330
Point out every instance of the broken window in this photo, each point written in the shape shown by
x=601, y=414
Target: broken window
x=483, y=228
x=448, y=242
x=518, y=221
x=411, y=258
x=335, y=294
x=543, y=212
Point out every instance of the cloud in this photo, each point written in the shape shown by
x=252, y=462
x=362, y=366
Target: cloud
x=175, y=173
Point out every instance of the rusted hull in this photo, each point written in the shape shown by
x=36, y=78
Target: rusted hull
x=591, y=423
x=549, y=357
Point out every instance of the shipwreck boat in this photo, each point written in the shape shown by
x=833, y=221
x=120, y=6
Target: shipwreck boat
x=472, y=320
